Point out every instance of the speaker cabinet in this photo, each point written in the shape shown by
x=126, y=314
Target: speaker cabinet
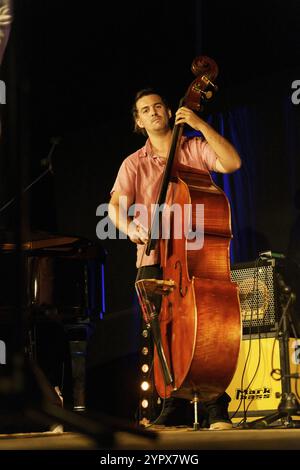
x=258, y=296
x=253, y=388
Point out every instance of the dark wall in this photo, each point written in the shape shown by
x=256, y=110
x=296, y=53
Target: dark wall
x=80, y=68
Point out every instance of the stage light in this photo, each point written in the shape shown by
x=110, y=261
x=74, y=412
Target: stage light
x=145, y=368
x=145, y=403
x=145, y=351
x=145, y=385
x=35, y=289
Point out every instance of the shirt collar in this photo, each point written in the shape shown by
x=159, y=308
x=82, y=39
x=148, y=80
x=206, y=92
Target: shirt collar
x=147, y=151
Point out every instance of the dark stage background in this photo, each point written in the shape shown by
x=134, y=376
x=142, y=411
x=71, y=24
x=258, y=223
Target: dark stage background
x=78, y=67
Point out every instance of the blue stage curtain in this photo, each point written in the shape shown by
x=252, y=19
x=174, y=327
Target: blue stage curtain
x=263, y=192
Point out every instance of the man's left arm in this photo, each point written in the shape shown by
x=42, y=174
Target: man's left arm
x=228, y=159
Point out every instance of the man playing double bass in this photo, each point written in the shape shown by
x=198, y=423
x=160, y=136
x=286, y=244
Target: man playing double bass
x=138, y=182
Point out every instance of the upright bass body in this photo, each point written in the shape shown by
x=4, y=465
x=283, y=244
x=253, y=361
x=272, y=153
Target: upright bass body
x=200, y=319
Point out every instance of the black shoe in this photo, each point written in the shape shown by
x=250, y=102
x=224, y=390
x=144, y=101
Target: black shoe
x=174, y=413
x=217, y=411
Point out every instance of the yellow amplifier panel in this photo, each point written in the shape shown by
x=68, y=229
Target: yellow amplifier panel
x=253, y=389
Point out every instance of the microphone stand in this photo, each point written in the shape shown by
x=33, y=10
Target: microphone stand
x=48, y=160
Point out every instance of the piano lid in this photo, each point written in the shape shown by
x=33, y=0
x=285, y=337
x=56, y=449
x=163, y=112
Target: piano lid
x=44, y=243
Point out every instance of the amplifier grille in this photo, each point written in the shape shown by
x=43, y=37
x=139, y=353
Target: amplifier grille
x=257, y=295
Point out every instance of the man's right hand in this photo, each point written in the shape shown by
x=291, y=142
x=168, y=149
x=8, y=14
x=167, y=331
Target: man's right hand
x=137, y=234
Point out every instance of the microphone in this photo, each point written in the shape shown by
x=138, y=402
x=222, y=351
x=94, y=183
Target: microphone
x=271, y=254
x=281, y=283
x=285, y=288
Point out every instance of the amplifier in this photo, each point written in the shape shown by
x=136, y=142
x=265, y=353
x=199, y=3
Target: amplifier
x=258, y=295
x=253, y=389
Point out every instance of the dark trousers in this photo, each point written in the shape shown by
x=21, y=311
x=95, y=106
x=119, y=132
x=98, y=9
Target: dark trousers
x=214, y=410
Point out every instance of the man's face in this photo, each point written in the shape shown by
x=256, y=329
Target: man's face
x=152, y=114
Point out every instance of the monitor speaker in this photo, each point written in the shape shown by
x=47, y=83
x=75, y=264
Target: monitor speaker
x=258, y=296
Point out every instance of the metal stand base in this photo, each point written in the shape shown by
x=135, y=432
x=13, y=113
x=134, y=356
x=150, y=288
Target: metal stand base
x=287, y=408
x=195, y=401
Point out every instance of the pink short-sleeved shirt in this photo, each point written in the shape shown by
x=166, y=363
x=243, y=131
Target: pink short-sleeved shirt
x=140, y=176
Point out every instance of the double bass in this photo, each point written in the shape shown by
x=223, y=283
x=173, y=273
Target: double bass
x=197, y=331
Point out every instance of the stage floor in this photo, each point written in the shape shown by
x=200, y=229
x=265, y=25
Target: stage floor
x=177, y=438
